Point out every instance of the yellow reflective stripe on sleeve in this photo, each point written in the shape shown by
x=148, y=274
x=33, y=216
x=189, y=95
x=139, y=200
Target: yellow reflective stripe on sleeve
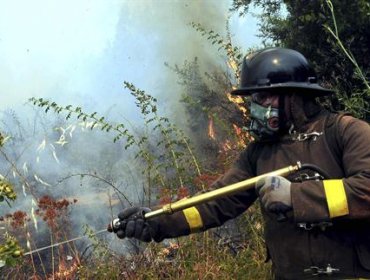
x=336, y=198
x=193, y=218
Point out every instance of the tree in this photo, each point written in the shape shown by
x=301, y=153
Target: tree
x=333, y=35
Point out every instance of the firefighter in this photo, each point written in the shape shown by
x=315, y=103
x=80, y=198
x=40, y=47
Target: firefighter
x=316, y=226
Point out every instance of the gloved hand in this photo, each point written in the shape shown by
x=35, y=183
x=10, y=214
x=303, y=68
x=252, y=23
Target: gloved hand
x=132, y=224
x=274, y=192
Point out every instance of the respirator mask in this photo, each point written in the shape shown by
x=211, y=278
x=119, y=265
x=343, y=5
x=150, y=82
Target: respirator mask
x=264, y=123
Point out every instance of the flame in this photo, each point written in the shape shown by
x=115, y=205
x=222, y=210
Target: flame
x=64, y=272
x=169, y=252
x=227, y=146
x=233, y=65
x=237, y=129
x=242, y=136
x=211, y=130
x=232, y=61
x=238, y=100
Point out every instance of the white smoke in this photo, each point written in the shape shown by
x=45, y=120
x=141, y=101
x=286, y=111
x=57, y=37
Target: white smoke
x=80, y=52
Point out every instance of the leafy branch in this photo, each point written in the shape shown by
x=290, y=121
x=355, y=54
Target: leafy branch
x=348, y=53
x=357, y=103
x=148, y=108
x=234, y=54
x=173, y=138
x=106, y=181
x=95, y=120
x=10, y=251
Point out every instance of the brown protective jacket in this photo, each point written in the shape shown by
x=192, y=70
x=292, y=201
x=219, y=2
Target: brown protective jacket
x=328, y=231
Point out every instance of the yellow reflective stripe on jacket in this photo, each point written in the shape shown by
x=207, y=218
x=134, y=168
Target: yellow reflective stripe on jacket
x=193, y=218
x=336, y=198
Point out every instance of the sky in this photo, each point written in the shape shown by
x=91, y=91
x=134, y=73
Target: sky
x=80, y=52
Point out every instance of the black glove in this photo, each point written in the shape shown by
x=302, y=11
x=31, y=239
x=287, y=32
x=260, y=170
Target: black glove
x=133, y=224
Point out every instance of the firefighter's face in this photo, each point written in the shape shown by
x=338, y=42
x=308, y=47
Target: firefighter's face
x=264, y=115
x=266, y=99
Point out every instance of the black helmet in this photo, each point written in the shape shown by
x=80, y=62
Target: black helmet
x=279, y=70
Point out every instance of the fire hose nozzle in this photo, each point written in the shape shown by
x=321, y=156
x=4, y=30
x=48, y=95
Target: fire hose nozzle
x=114, y=225
x=170, y=208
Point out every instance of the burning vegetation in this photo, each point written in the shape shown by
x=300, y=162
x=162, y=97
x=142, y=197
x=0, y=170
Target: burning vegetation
x=172, y=167
x=38, y=240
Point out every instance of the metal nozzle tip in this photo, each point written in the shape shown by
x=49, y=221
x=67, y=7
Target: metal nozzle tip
x=299, y=165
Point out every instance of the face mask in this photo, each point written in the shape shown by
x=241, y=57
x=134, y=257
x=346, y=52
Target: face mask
x=265, y=122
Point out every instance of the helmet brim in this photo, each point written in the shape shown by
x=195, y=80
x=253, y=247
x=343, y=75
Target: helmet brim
x=303, y=88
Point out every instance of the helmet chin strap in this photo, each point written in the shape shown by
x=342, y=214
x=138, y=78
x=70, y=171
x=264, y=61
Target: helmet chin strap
x=286, y=118
x=282, y=114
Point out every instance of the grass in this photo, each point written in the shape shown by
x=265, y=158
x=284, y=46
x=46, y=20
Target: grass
x=198, y=256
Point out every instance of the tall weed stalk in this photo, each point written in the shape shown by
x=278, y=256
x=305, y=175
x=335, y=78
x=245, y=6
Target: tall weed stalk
x=358, y=102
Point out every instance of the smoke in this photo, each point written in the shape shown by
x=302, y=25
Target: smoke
x=167, y=25
x=80, y=52
x=151, y=33
x=44, y=46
